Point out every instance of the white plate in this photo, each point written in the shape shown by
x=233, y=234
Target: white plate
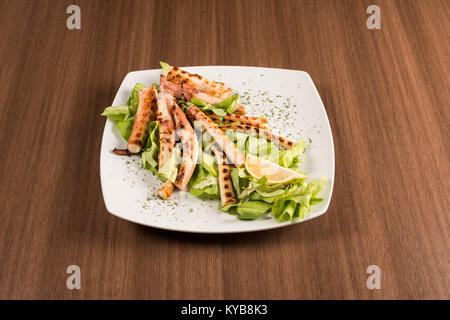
x=291, y=103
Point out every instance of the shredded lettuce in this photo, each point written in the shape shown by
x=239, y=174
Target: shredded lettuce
x=117, y=113
x=240, y=179
x=285, y=202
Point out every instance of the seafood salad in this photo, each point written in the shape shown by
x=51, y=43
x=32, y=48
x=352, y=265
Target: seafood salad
x=194, y=136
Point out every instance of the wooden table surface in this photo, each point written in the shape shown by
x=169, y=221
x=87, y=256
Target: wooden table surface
x=386, y=93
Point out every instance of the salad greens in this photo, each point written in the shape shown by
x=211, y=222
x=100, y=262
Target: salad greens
x=124, y=116
x=150, y=156
x=150, y=152
x=133, y=100
x=165, y=68
x=285, y=202
x=203, y=184
x=221, y=109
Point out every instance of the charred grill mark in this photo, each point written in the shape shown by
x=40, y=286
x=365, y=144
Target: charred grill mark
x=205, y=86
x=227, y=195
x=180, y=176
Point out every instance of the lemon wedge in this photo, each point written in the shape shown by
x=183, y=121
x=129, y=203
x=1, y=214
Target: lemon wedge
x=258, y=168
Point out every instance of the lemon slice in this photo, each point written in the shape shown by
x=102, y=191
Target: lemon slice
x=259, y=168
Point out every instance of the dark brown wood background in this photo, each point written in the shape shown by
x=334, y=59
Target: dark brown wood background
x=387, y=97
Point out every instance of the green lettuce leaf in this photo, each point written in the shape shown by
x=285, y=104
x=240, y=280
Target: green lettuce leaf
x=252, y=210
x=316, y=186
x=165, y=68
x=206, y=107
x=262, y=148
x=298, y=204
x=169, y=170
x=151, y=149
x=284, y=210
x=124, y=115
x=203, y=184
x=124, y=118
x=229, y=104
x=156, y=85
x=249, y=210
x=209, y=163
x=133, y=100
x=199, y=103
x=219, y=112
x=117, y=113
x=290, y=157
x=125, y=127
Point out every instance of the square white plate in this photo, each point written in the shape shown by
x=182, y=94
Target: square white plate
x=288, y=99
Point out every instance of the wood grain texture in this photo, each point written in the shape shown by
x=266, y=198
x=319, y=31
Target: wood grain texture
x=387, y=97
